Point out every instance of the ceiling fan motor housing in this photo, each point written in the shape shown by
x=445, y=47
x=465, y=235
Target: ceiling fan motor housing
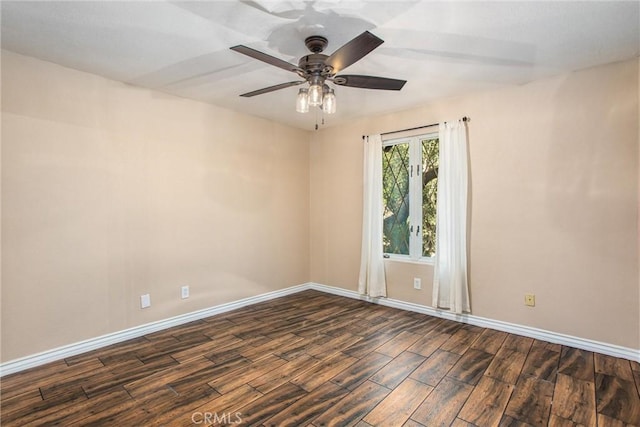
x=314, y=64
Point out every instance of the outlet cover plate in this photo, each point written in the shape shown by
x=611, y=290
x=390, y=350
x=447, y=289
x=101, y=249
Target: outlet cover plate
x=530, y=300
x=417, y=283
x=145, y=301
x=184, y=292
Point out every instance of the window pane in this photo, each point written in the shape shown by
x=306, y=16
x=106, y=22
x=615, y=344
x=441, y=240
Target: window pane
x=395, y=199
x=429, y=195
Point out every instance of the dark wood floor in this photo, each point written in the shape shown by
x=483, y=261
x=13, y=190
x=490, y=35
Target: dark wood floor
x=313, y=359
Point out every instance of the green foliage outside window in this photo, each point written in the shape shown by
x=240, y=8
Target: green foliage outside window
x=429, y=195
x=396, y=171
x=395, y=197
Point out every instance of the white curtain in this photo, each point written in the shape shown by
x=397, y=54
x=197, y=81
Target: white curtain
x=450, y=287
x=372, y=281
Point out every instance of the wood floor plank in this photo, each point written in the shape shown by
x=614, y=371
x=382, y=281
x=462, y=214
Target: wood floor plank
x=517, y=343
x=332, y=346
x=123, y=373
x=47, y=375
x=77, y=413
x=542, y=363
x=398, y=344
x=506, y=366
x=425, y=325
x=432, y=370
x=30, y=414
x=307, y=408
x=182, y=406
x=206, y=347
x=442, y=405
x=360, y=371
x=460, y=341
x=398, y=406
x=278, y=377
x=366, y=346
x=449, y=327
x=259, y=351
x=24, y=400
x=471, y=366
x=574, y=400
x=165, y=347
x=203, y=376
x=617, y=398
x=228, y=382
x=604, y=421
x=557, y=421
x=487, y=402
x=461, y=423
x=230, y=402
x=613, y=366
x=269, y=405
x=231, y=351
x=293, y=350
x=489, y=341
x=577, y=363
x=426, y=345
x=314, y=377
x=160, y=379
x=348, y=412
x=531, y=401
x=508, y=421
x=397, y=370
x=163, y=401
x=113, y=350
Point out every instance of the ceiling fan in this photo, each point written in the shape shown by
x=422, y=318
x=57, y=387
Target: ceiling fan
x=317, y=69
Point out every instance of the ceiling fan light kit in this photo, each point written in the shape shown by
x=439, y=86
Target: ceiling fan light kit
x=318, y=69
x=302, y=101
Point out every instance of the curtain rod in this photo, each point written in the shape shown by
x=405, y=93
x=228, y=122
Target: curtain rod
x=464, y=119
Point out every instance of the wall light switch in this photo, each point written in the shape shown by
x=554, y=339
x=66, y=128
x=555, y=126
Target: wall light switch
x=145, y=301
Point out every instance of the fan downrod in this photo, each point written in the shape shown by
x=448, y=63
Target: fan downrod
x=316, y=44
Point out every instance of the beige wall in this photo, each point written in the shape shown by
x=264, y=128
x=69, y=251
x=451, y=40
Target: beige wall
x=554, y=169
x=111, y=191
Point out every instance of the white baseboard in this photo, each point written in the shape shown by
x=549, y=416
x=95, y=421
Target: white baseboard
x=60, y=353
x=527, y=331
x=63, y=352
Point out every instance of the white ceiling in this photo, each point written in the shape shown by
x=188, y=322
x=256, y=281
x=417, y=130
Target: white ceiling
x=442, y=49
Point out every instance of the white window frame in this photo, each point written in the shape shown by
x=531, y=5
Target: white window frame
x=415, y=198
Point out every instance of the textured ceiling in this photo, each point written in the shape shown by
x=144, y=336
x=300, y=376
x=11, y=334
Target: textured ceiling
x=442, y=49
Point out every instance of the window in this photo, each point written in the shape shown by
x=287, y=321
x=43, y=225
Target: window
x=409, y=193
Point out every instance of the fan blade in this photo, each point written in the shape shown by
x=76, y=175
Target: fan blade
x=272, y=88
x=271, y=60
x=353, y=51
x=369, y=82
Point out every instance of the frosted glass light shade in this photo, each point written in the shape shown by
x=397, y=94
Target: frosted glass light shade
x=329, y=102
x=315, y=95
x=302, y=101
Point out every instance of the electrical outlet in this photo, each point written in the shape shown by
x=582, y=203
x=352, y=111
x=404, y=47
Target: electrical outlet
x=145, y=301
x=417, y=283
x=530, y=300
x=184, y=292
